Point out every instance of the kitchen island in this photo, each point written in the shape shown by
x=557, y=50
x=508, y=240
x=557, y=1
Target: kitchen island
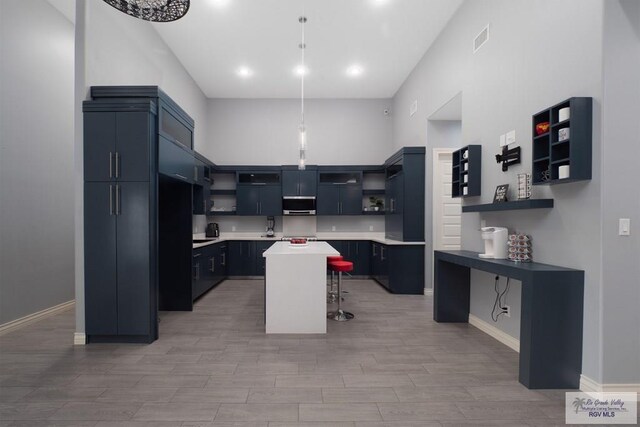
x=296, y=288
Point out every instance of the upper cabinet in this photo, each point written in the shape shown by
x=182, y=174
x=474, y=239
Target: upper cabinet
x=562, y=138
x=466, y=164
x=259, y=193
x=118, y=147
x=299, y=183
x=339, y=192
x=175, y=128
x=404, y=194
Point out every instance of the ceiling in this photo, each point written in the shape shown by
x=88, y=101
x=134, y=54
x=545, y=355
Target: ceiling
x=385, y=38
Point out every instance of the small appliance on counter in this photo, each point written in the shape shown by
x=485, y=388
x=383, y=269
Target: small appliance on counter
x=495, y=242
x=271, y=223
x=212, y=230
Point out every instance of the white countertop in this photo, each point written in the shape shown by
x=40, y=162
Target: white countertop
x=326, y=235
x=311, y=248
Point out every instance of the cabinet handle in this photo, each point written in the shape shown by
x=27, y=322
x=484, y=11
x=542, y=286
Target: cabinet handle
x=117, y=200
x=195, y=173
x=110, y=199
x=110, y=164
x=373, y=250
x=198, y=271
x=196, y=255
x=224, y=259
x=117, y=165
x=382, y=253
x=181, y=176
x=257, y=208
x=212, y=260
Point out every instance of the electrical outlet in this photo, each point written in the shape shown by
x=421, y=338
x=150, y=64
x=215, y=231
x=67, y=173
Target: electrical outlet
x=333, y=228
x=371, y=228
x=233, y=228
x=507, y=309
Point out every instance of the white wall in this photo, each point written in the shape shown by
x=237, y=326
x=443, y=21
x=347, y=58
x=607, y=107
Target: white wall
x=264, y=131
x=517, y=73
x=36, y=158
x=620, y=192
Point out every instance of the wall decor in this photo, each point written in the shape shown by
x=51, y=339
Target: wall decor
x=509, y=157
x=501, y=193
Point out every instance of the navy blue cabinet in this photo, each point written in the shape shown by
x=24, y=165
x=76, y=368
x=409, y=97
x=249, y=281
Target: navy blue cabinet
x=175, y=161
x=115, y=152
x=404, y=193
x=245, y=258
x=339, y=199
x=399, y=268
x=299, y=183
x=255, y=199
x=356, y=251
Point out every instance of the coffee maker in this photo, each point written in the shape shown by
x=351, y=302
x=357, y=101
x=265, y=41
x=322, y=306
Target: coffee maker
x=271, y=223
x=495, y=242
x=212, y=230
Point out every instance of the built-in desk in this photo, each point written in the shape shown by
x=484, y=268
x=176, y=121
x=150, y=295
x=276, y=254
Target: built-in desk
x=551, y=309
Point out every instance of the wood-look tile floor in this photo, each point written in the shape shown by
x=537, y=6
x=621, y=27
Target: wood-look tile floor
x=390, y=366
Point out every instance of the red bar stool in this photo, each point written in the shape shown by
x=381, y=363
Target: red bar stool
x=340, y=266
x=332, y=294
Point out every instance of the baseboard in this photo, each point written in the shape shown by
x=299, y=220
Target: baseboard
x=494, y=332
x=589, y=385
x=35, y=317
x=428, y=292
x=79, y=338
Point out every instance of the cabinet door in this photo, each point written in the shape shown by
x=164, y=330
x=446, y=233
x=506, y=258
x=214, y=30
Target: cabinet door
x=339, y=246
x=174, y=161
x=223, y=256
x=328, y=200
x=198, y=268
x=237, y=250
x=100, y=259
x=260, y=248
x=247, y=199
x=270, y=200
x=290, y=183
x=307, y=183
x=361, y=257
x=383, y=275
x=133, y=133
x=133, y=264
x=99, y=146
x=351, y=200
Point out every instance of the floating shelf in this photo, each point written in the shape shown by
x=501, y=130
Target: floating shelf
x=223, y=192
x=373, y=192
x=510, y=206
x=221, y=213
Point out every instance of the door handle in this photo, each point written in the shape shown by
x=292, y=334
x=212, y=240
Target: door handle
x=117, y=165
x=117, y=199
x=110, y=199
x=110, y=164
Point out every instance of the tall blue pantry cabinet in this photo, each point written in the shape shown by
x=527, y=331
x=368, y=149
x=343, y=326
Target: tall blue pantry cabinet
x=120, y=221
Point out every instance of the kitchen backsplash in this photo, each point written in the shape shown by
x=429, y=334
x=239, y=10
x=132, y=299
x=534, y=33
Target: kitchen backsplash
x=323, y=223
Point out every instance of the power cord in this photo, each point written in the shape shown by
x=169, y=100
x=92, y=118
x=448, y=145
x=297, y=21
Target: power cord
x=498, y=302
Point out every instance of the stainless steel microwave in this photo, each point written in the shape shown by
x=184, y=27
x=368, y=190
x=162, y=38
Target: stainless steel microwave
x=299, y=205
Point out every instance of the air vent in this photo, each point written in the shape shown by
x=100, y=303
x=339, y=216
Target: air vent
x=481, y=39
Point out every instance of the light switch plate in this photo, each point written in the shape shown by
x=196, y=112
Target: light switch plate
x=510, y=137
x=413, y=108
x=624, y=226
x=503, y=140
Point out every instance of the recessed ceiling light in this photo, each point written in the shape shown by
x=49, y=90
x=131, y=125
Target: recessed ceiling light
x=301, y=70
x=379, y=2
x=219, y=3
x=354, y=71
x=244, y=72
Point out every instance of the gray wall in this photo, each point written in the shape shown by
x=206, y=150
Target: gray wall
x=264, y=131
x=620, y=192
x=514, y=75
x=36, y=158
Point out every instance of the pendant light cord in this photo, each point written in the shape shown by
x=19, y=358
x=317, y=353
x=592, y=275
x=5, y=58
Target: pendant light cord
x=303, y=70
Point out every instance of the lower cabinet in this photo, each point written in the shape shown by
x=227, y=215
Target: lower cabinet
x=245, y=257
x=399, y=268
x=209, y=268
x=356, y=251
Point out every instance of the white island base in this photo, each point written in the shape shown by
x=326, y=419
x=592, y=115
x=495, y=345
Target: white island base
x=296, y=288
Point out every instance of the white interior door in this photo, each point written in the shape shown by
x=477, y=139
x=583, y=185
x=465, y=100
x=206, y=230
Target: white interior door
x=447, y=211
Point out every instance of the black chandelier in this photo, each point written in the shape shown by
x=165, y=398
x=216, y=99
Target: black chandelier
x=152, y=10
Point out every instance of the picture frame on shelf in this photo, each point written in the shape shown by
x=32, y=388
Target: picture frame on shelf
x=501, y=194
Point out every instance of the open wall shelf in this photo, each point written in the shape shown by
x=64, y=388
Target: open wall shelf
x=510, y=206
x=550, y=151
x=465, y=171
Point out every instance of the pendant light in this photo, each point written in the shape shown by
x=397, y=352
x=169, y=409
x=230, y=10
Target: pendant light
x=152, y=10
x=302, y=130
